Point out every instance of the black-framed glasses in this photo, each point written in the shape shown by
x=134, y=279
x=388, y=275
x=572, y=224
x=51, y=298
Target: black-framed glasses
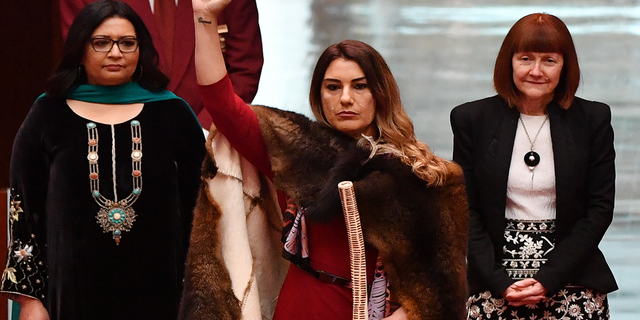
x=104, y=44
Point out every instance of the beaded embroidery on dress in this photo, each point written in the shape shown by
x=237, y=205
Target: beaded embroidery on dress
x=115, y=216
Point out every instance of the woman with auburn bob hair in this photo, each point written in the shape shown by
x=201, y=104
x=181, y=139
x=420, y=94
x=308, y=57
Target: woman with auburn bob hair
x=353, y=96
x=540, y=175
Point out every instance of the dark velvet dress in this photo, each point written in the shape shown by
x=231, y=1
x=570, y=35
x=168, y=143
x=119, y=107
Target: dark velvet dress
x=58, y=251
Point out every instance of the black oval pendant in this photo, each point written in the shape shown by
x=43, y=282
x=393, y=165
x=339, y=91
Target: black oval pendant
x=531, y=158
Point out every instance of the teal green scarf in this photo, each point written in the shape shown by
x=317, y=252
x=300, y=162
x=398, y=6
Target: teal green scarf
x=128, y=93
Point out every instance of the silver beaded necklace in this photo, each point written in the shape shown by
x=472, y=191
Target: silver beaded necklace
x=115, y=216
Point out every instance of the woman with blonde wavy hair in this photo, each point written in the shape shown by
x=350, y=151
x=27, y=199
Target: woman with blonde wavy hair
x=395, y=132
x=355, y=95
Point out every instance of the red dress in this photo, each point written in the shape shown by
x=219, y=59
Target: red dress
x=302, y=296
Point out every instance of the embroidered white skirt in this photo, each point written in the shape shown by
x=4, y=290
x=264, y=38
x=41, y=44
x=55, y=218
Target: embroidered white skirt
x=527, y=243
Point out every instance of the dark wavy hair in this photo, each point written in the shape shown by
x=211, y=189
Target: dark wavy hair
x=538, y=32
x=68, y=74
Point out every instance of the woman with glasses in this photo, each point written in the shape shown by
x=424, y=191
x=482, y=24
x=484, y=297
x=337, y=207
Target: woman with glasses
x=105, y=173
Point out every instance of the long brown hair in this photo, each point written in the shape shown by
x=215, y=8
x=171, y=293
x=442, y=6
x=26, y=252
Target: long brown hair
x=538, y=32
x=396, y=129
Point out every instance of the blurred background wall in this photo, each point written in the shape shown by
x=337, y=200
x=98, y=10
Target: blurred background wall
x=442, y=54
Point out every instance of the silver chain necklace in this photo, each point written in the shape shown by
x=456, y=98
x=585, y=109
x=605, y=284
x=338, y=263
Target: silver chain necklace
x=532, y=158
x=115, y=216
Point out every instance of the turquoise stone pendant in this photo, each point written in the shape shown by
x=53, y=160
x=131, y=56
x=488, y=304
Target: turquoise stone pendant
x=116, y=218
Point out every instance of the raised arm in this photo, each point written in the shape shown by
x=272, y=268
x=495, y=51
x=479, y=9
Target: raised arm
x=210, y=66
x=231, y=116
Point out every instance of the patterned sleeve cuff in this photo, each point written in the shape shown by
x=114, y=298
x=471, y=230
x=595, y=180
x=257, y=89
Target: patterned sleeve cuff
x=25, y=271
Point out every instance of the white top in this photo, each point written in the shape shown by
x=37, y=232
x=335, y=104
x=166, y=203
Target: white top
x=532, y=197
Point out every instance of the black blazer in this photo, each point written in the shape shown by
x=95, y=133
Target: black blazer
x=582, y=136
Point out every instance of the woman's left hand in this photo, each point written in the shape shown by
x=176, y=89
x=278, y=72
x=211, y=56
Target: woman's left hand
x=523, y=292
x=399, y=314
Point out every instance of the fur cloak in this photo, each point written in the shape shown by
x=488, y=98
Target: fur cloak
x=419, y=231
